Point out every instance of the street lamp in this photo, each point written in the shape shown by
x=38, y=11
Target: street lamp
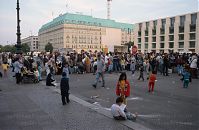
x=18, y=45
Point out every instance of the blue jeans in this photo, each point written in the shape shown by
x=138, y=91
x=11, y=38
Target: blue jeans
x=179, y=69
x=186, y=83
x=98, y=75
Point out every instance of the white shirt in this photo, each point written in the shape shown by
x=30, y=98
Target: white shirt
x=193, y=63
x=116, y=111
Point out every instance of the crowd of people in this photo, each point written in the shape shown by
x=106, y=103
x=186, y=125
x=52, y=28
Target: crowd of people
x=87, y=62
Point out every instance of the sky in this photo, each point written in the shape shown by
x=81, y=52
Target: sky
x=35, y=13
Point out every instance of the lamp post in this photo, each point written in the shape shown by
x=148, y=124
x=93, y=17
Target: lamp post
x=18, y=45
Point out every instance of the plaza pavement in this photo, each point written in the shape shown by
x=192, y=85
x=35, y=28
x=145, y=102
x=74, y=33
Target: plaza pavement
x=170, y=107
x=37, y=107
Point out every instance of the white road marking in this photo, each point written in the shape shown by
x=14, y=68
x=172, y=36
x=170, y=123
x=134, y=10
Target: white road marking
x=134, y=98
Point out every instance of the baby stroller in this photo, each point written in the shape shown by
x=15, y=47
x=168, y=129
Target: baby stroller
x=29, y=77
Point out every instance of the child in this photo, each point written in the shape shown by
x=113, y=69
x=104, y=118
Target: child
x=152, y=79
x=141, y=72
x=64, y=87
x=123, y=87
x=5, y=68
x=186, y=78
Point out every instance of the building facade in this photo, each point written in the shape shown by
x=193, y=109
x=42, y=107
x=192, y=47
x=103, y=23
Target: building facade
x=32, y=42
x=82, y=32
x=176, y=34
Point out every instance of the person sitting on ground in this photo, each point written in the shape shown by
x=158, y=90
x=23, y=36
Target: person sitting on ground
x=119, y=111
x=49, y=79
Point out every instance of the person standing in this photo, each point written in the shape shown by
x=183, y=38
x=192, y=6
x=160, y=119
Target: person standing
x=123, y=87
x=64, y=87
x=193, y=66
x=141, y=72
x=152, y=79
x=17, y=69
x=100, y=71
x=165, y=65
x=5, y=69
x=186, y=78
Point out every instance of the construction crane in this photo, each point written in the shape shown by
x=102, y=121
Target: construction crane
x=108, y=8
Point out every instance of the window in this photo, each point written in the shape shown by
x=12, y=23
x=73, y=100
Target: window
x=181, y=45
x=161, y=38
x=139, y=33
x=154, y=24
x=171, y=30
x=153, y=45
x=181, y=36
x=146, y=39
x=192, y=28
x=171, y=44
x=161, y=45
x=172, y=21
x=140, y=26
x=139, y=46
x=139, y=40
x=163, y=23
x=147, y=24
x=154, y=31
x=181, y=29
x=171, y=38
x=182, y=20
x=193, y=18
x=192, y=44
x=146, y=45
x=162, y=31
x=146, y=32
x=153, y=39
x=192, y=36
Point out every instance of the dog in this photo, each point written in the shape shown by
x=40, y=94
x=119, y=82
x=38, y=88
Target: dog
x=1, y=75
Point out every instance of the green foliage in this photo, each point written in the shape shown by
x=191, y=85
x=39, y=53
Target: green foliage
x=25, y=48
x=8, y=48
x=49, y=47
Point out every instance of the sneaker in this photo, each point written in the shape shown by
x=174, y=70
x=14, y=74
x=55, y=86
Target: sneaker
x=94, y=85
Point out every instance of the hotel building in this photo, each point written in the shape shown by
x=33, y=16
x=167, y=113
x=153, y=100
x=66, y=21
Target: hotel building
x=32, y=42
x=176, y=34
x=82, y=32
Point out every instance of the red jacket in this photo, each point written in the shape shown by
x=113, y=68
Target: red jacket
x=126, y=90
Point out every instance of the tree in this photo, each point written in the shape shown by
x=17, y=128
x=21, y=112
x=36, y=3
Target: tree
x=49, y=47
x=25, y=48
x=8, y=48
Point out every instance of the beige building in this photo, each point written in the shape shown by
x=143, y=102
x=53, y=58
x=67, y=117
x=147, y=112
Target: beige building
x=32, y=42
x=82, y=32
x=177, y=34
